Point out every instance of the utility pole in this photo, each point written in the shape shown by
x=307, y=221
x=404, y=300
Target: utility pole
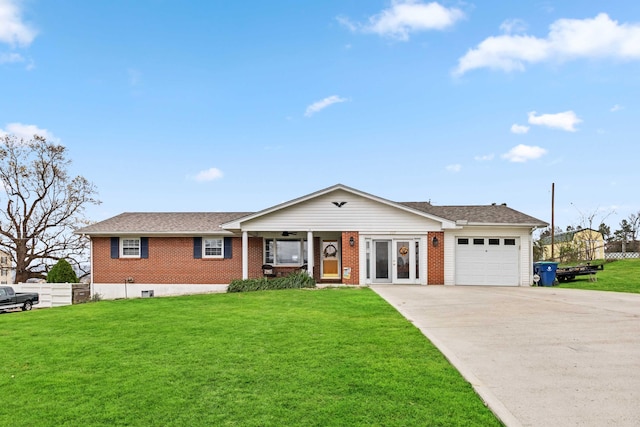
x=553, y=224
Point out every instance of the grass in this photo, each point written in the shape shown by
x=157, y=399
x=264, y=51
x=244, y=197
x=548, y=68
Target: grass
x=618, y=276
x=332, y=357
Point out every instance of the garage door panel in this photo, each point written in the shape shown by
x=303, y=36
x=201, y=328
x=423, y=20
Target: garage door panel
x=495, y=264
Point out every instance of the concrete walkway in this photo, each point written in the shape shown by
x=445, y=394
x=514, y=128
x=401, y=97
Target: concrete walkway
x=537, y=356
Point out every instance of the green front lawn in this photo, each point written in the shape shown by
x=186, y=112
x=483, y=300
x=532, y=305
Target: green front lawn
x=333, y=357
x=618, y=276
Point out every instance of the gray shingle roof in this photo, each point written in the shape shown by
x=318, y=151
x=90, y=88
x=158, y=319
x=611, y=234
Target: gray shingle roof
x=483, y=214
x=162, y=223
x=199, y=223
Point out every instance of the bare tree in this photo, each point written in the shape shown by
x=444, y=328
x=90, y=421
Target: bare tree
x=634, y=226
x=588, y=221
x=42, y=208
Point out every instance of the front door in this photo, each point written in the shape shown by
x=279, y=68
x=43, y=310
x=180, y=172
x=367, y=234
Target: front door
x=402, y=260
x=382, y=261
x=330, y=259
x=396, y=261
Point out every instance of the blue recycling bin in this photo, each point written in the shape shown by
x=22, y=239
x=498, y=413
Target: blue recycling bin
x=547, y=272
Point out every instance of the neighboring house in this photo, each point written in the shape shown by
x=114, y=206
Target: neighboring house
x=6, y=269
x=583, y=244
x=339, y=235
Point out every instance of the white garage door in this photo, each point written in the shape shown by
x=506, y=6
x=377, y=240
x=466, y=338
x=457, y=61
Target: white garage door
x=492, y=261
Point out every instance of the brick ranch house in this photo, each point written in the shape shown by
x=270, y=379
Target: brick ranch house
x=339, y=235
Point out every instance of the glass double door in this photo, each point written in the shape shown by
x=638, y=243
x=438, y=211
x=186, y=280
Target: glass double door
x=396, y=261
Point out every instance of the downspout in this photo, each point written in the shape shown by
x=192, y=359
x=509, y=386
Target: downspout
x=91, y=286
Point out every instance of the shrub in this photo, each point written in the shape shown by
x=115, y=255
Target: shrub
x=62, y=272
x=292, y=281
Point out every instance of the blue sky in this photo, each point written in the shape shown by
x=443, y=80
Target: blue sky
x=223, y=105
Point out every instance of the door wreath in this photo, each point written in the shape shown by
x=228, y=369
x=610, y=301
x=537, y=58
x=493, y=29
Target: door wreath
x=330, y=251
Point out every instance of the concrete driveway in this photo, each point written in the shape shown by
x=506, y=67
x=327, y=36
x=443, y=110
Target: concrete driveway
x=537, y=356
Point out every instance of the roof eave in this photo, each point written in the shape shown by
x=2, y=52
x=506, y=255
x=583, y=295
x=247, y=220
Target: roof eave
x=217, y=232
x=507, y=224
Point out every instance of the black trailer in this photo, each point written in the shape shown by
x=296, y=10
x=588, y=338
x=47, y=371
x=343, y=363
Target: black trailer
x=565, y=274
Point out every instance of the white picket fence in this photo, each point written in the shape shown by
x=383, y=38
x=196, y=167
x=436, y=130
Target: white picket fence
x=621, y=255
x=51, y=294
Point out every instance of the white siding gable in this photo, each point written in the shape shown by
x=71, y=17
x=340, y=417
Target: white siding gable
x=358, y=213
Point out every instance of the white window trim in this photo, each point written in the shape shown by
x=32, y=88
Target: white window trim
x=122, y=239
x=204, y=247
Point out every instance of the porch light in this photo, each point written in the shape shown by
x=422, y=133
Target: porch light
x=435, y=241
x=352, y=241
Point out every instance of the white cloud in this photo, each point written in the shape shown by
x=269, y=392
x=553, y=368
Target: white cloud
x=7, y=58
x=322, y=104
x=565, y=121
x=511, y=26
x=547, y=7
x=26, y=132
x=346, y=22
x=13, y=31
x=484, y=158
x=454, y=168
x=599, y=37
x=405, y=17
x=522, y=153
x=616, y=107
x=519, y=129
x=210, y=174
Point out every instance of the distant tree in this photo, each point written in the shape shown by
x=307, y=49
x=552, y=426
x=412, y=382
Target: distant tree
x=569, y=253
x=538, y=247
x=538, y=250
x=547, y=232
x=634, y=220
x=605, y=230
x=628, y=231
x=62, y=272
x=43, y=205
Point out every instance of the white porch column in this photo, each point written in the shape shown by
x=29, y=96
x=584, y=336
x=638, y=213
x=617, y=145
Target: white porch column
x=310, y=255
x=245, y=255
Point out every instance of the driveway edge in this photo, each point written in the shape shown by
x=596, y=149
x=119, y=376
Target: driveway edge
x=491, y=401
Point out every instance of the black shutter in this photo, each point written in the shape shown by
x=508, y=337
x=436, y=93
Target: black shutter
x=227, y=247
x=115, y=247
x=144, y=247
x=197, y=247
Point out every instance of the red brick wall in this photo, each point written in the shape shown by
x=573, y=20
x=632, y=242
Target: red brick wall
x=350, y=257
x=171, y=261
x=435, y=259
x=316, y=258
x=256, y=258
